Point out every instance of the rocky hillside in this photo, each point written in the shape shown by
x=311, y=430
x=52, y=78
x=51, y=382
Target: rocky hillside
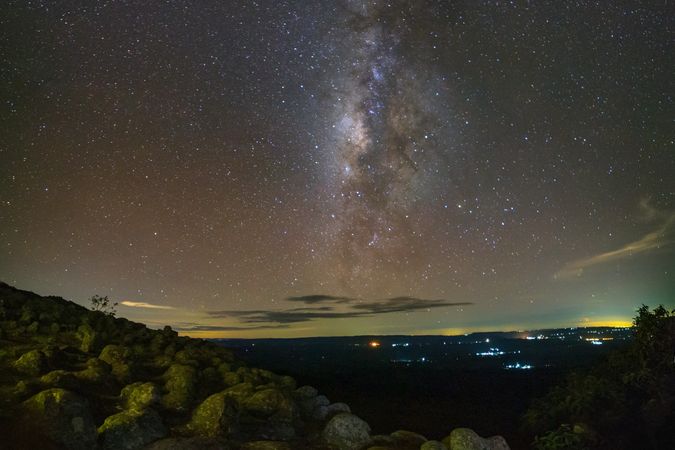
x=71, y=378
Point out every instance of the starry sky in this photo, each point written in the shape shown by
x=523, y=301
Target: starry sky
x=305, y=168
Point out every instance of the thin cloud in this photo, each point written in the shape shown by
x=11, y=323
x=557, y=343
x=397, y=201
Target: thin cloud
x=318, y=308
x=405, y=304
x=661, y=237
x=320, y=298
x=367, y=309
x=131, y=304
x=290, y=316
x=197, y=327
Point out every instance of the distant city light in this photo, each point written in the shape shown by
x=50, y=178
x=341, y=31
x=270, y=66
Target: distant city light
x=491, y=352
x=540, y=336
x=374, y=344
x=404, y=344
x=519, y=366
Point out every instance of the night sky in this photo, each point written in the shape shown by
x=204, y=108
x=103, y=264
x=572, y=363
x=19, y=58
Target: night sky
x=302, y=168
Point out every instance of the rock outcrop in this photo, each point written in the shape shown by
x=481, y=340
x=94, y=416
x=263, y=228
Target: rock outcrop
x=63, y=417
x=131, y=429
x=346, y=431
x=80, y=379
x=467, y=439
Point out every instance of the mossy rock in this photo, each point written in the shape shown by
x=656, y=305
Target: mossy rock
x=188, y=443
x=256, y=376
x=269, y=402
x=467, y=439
x=407, y=439
x=91, y=341
x=181, y=386
x=63, y=417
x=187, y=358
x=215, y=416
x=118, y=357
x=288, y=383
x=140, y=395
x=162, y=361
x=381, y=440
x=266, y=445
x=239, y=392
x=131, y=429
x=304, y=392
x=346, y=432
x=25, y=388
x=433, y=445
x=60, y=379
x=114, y=354
x=96, y=372
x=32, y=363
x=231, y=378
x=33, y=328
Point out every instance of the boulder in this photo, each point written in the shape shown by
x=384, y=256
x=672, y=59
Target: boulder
x=63, y=417
x=239, y=392
x=25, y=388
x=312, y=406
x=215, y=416
x=181, y=382
x=230, y=378
x=97, y=371
x=408, y=439
x=467, y=439
x=131, y=429
x=114, y=354
x=381, y=440
x=32, y=363
x=118, y=357
x=192, y=443
x=269, y=402
x=497, y=443
x=336, y=408
x=60, y=378
x=346, y=432
x=286, y=382
x=321, y=400
x=306, y=392
x=433, y=445
x=323, y=412
x=90, y=340
x=140, y=395
x=266, y=445
x=162, y=361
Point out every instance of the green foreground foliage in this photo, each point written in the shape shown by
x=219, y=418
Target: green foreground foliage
x=626, y=402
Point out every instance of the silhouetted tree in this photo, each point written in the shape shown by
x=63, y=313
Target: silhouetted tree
x=625, y=402
x=103, y=304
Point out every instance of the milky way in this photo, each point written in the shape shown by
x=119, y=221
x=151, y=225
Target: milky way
x=287, y=168
x=384, y=121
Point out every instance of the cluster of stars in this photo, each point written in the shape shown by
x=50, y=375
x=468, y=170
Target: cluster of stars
x=215, y=155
